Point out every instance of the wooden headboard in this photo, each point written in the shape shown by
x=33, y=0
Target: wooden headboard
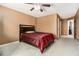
x=25, y=28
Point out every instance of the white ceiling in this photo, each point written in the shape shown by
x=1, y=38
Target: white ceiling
x=63, y=9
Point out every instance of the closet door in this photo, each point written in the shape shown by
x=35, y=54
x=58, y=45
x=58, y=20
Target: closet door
x=1, y=25
x=77, y=25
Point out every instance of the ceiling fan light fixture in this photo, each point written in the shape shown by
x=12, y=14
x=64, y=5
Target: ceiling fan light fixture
x=37, y=7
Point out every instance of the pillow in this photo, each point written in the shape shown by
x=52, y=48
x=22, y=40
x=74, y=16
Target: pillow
x=30, y=32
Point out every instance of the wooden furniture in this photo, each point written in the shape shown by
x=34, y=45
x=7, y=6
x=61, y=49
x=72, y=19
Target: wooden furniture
x=38, y=39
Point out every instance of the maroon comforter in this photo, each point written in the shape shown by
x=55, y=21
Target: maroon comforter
x=39, y=39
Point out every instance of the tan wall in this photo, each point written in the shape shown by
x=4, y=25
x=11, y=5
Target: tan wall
x=64, y=27
x=77, y=25
x=11, y=20
x=47, y=24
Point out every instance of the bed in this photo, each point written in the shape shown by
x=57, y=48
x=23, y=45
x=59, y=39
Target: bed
x=38, y=39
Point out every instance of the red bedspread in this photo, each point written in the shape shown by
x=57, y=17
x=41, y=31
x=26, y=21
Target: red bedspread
x=39, y=39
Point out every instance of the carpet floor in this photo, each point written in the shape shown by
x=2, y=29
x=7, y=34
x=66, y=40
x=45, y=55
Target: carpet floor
x=61, y=47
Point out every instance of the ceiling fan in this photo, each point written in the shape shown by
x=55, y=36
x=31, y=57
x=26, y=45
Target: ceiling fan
x=38, y=6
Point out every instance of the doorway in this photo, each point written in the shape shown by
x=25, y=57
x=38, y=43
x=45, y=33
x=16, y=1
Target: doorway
x=70, y=28
x=66, y=27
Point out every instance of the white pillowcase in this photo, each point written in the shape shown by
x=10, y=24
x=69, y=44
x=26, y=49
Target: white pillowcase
x=30, y=32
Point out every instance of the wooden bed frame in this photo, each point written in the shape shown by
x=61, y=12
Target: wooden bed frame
x=25, y=28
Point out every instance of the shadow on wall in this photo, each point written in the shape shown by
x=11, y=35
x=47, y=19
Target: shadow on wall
x=3, y=38
x=1, y=26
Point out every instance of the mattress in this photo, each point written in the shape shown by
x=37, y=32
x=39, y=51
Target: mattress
x=39, y=39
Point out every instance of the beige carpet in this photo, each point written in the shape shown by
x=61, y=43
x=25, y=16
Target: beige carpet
x=61, y=47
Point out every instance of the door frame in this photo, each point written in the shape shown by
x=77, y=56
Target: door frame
x=60, y=24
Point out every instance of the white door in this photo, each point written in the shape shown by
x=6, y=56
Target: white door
x=71, y=28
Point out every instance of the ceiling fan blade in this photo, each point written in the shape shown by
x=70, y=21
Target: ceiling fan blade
x=31, y=9
x=46, y=5
x=41, y=10
x=29, y=3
